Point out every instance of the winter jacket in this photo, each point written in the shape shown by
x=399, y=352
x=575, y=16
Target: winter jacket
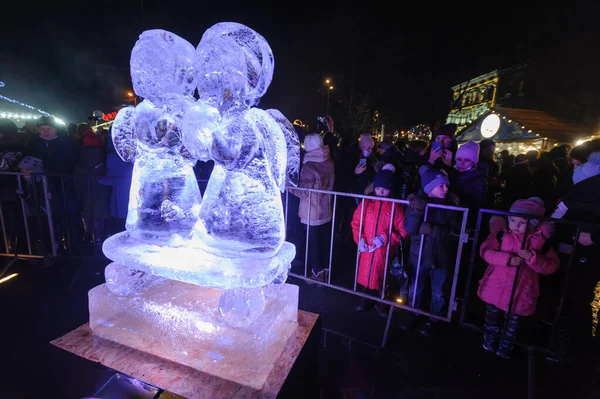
x=317, y=172
x=348, y=181
x=409, y=174
x=496, y=286
x=582, y=203
x=94, y=197
x=58, y=156
x=376, y=222
x=518, y=184
x=493, y=180
x=118, y=176
x=471, y=186
x=440, y=233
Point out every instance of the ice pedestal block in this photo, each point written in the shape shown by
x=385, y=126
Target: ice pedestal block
x=180, y=322
x=186, y=262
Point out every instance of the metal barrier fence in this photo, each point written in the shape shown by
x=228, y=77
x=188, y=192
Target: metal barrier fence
x=384, y=297
x=42, y=216
x=550, y=318
x=39, y=212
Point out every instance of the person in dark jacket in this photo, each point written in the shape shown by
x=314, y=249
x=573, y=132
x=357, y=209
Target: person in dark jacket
x=517, y=181
x=469, y=180
x=357, y=167
x=118, y=178
x=414, y=158
x=487, y=148
x=93, y=197
x=439, y=235
x=59, y=157
x=443, y=158
x=581, y=204
x=11, y=153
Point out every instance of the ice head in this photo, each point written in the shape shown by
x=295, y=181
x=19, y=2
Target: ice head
x=162, y=63
x=233, y=65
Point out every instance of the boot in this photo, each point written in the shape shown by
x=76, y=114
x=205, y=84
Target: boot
x=491, y=327
x=364, y=305
x=511, y=326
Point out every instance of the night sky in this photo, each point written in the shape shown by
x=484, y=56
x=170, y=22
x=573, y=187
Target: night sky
x=72, y=59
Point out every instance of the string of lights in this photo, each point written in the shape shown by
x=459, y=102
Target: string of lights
x=16, y=115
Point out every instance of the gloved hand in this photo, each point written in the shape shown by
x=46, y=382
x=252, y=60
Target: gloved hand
x=426, y=228
x=416, y=204
x=362, y=245
x=377, y=242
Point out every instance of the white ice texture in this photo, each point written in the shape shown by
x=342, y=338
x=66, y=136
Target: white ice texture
x=293, y=147
x=233, y=237
x=164, y=198
x=241, y=214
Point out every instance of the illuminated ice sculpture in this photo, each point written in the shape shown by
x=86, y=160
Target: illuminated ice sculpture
x=234, y=236
x=194, y=276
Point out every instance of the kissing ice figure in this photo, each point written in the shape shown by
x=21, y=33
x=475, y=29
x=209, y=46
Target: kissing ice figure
x=241, y=214
x=164, y=197
x=233, y=239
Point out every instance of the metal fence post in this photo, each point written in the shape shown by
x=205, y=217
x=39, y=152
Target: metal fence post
x=416, y=282
x=461, y=243
x=332, y=237
x=463, y=311
x=3, y=228
x=362, y=212
x=307, y=236
x=49, y=214
x=24, y=209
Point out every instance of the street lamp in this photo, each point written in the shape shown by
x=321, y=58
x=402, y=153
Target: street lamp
x=132, y=97
x=330, y=87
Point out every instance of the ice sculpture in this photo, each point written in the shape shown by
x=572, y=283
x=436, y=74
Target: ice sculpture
x=201, y=280
x=231, y=239
x=241, y=214
x=164, y=197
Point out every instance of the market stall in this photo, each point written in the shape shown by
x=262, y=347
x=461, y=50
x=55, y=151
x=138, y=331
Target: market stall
x=522, y=130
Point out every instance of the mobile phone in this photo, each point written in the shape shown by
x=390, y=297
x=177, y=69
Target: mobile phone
x=321, y=119
x=363, y=161
x=436, y=145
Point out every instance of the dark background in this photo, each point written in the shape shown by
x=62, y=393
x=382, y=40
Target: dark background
x=399, y=58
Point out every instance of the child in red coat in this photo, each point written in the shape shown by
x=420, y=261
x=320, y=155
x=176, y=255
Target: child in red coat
x=372, y=240
x=515, y=256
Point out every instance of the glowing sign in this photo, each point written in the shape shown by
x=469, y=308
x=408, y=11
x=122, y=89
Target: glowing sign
x=110, y=116
x=490, y=125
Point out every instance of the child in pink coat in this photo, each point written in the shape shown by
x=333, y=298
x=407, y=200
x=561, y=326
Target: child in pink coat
x=511, y=257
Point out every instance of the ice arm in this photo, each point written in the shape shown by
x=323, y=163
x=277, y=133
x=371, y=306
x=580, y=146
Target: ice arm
x=292, y=144
x=123, y=134
x=199, y=123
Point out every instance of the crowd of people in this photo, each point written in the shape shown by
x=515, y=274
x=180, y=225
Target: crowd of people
x=560, y=183
x=88, y=185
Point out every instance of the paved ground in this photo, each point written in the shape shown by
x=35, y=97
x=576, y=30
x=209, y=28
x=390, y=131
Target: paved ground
x=42, y=304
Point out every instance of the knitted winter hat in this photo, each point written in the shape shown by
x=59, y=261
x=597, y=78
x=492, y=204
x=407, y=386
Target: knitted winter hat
x=469, y=150
x=589, y=169
x=312, y=142
x=431, y=178
x=531, y=206
x=48, y=121
x=383, y=178
x=449, y=130
x=389, y=166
